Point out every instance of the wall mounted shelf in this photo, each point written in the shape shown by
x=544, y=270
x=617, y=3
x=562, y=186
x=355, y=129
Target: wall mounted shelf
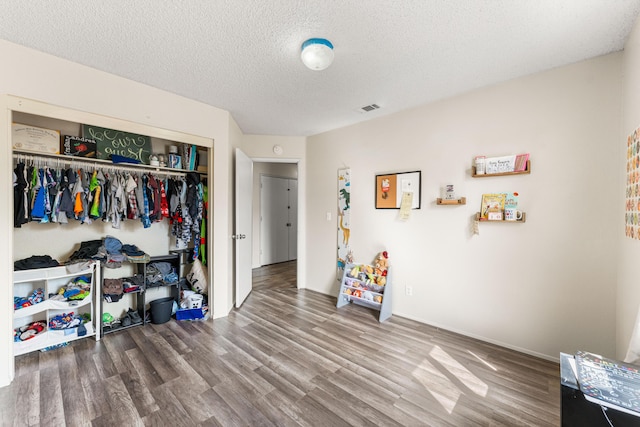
x=487, y=175
x=524, y=219
x=460, y=201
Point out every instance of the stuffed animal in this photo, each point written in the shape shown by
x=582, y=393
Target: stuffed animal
x=355, y=271
x=381, y=263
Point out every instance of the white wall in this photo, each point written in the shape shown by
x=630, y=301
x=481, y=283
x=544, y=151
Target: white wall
x=628, y=302
x=56, y=81
x=520, y=285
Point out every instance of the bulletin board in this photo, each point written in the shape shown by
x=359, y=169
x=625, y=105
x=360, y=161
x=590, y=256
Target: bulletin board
x=390, y=188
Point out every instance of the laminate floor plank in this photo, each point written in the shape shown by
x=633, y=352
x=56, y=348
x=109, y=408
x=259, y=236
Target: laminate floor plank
x=223, y=414
x=234, y=397
x=26, y=409
x=141, y=395
x=150, y=351
x=368, y=392
x=349, y=406
x=287, y=357
x=191, y=400
x=51, y=406
x=172, y=361
x=27, y=364
x=90, y=381
x=174, y=341
x=273, y=413
x=253, y=385
x=171, y=412
x=292, y=372
x=76, y=412
x=143, y=368
x=281, y=383
x=123, y=410
x=200, y=361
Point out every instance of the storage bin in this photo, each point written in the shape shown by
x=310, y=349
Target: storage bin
x=189, y=314
x=161, y=310
x=195, y=301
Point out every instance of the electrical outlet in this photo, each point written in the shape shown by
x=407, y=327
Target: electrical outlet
x=408, y=290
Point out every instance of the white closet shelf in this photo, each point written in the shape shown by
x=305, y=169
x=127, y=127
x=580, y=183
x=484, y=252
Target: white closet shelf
x=61, y=159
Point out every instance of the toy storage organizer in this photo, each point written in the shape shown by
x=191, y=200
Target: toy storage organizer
x=363, y=291
x=50, y=281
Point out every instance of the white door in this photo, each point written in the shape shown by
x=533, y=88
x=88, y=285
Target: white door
x=242, y=234
x=274, y=202
x=279, y=219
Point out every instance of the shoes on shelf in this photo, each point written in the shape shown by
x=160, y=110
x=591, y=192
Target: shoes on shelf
x=125, y=321
x=134, y=316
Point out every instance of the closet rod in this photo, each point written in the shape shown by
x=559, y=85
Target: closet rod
x=74, y=163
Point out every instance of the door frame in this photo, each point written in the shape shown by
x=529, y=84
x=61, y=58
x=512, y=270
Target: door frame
x=301, y=237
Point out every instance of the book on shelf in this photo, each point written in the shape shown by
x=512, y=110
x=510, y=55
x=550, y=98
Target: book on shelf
x=505, y=164
x=521, y=162
x=511, y=200
x=492, y=207
x=499, y=164
x=189, y=153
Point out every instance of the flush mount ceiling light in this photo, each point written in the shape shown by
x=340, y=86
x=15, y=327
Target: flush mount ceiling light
x=317, y=54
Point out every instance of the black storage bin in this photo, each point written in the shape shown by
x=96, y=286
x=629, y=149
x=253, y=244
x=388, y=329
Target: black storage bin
x=161, y=310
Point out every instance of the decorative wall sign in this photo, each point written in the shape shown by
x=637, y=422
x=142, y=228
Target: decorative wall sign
x=632, y=191
x=109, y=142
x=389, y=189
x=344, y=219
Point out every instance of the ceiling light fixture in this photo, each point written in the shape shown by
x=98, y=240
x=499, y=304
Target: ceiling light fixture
x=317, y=54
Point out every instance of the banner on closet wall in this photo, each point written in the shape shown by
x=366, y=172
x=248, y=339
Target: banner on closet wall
x=344, y=220
x=632, y=193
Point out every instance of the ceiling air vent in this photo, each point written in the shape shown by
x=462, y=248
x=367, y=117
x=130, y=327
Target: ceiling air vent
x=370, y=107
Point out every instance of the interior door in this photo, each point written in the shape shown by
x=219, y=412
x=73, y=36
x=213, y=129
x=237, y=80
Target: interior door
x=274, y=200
x=242, y=234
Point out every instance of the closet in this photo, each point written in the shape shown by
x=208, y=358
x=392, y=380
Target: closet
x=61, y=239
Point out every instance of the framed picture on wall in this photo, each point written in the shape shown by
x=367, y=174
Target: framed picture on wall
x=391, y=187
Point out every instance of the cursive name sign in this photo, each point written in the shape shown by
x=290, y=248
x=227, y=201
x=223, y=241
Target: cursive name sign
x=114, y=142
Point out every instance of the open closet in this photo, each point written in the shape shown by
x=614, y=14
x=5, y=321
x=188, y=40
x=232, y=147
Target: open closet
x=103, y=199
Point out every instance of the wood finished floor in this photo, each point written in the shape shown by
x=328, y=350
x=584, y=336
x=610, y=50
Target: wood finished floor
x=285, y=358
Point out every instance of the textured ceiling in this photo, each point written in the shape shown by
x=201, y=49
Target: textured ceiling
x=244, y=55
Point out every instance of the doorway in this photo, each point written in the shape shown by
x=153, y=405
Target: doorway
x=278, y=219
x=286, y=173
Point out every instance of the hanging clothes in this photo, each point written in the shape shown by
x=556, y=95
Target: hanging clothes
x=54, y=193
x=78, y=193
x=38, y=204
x=203, y=224
x=48, y=194
x=20, y=196
x=144, y=217
x=130, y=189
x=155, y=213
x=86, y=198
x=95, y=189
